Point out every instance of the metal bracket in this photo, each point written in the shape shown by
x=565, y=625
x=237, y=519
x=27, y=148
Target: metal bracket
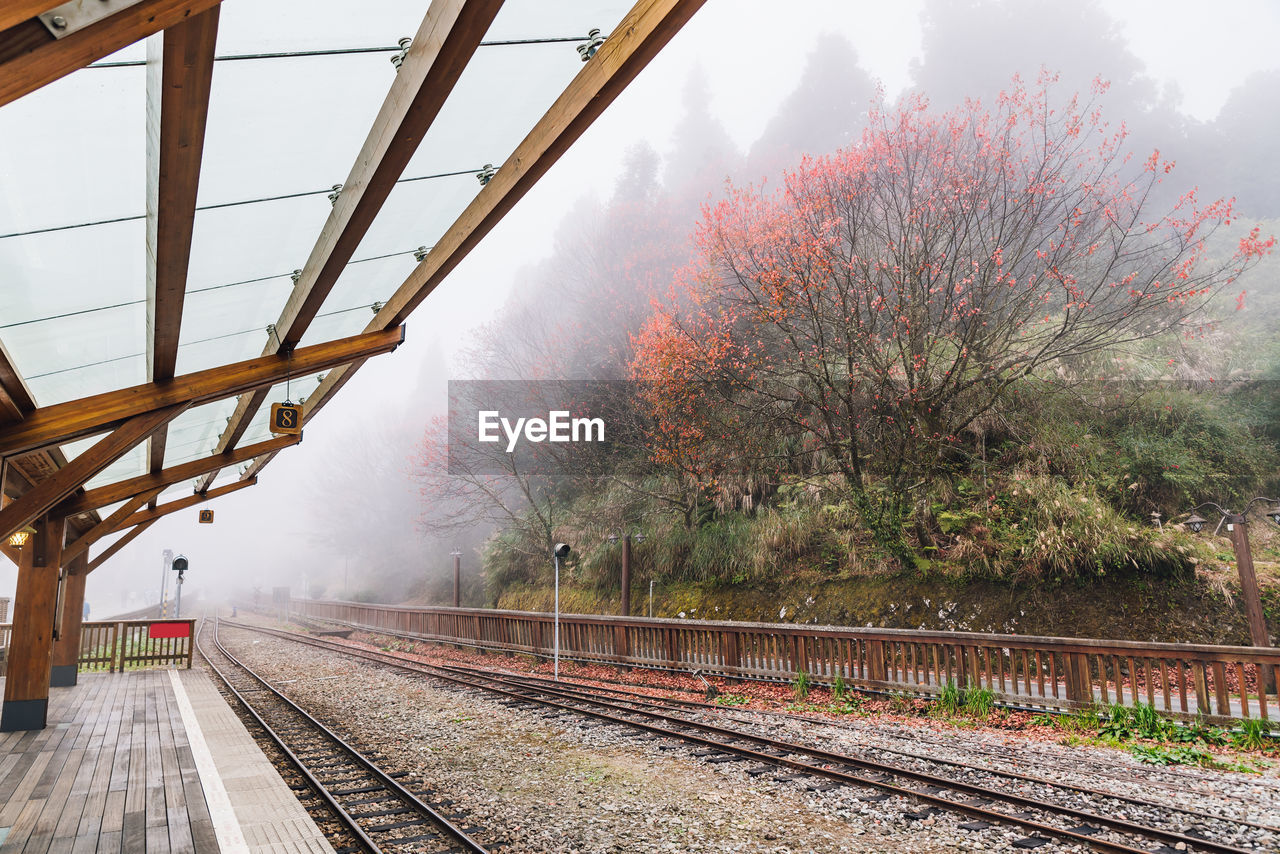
x=67, y=18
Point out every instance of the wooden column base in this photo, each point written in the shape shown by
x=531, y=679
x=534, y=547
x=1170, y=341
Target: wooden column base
x=23, y=715
x=62, y=675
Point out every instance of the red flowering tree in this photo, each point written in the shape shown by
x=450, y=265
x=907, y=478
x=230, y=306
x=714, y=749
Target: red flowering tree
x=889, y=295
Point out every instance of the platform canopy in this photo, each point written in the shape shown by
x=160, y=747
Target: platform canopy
x=208, y=206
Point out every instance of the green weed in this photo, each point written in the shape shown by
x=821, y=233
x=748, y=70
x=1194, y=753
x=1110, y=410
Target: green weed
x=1254, y=735
x=978, y=702
x=732, y=700
x=950, y=699
x=838, y=688
x=800, y=685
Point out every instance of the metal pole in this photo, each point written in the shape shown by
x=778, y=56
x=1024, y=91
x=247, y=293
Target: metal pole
x=626, y=576
x=457, y=579
x=164, y=581
x=177, y=609
x=650, y=597
x=557, y=629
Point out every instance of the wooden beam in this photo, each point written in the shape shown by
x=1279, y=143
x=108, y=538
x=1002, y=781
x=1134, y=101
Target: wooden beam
x=30, y=57
x=644, y=31
x=449, y=34
x=47, y=493
x=179, y=77
x=126, y=489
x=107, y=526
x=15, y=398
x=76, y=419
x=17, y=11
x=183, y=503
x=115, y=547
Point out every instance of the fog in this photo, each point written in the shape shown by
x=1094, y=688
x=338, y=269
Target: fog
x=745, y=89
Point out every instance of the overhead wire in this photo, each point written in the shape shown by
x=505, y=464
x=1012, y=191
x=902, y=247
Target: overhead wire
x=339, y=51
x=221, y=205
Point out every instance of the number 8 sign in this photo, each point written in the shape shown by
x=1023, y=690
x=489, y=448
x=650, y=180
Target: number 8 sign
x=286, y=418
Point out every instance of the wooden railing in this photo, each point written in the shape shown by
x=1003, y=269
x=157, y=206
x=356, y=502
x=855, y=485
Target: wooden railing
x=113, y=645
x=1060, y=674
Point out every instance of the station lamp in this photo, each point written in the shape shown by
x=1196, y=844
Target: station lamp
x=19, y=538
x=1196, y=523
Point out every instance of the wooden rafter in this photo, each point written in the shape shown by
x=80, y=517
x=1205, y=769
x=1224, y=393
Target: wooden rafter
x=107, y=526
x=30, y=57
x=179, y=77
x=634, y=42
x=162, y=510
x=126, y=489
x=115, y=547
x=448, y=36
x=16, y=401
x=65, y=422
x=47, y=493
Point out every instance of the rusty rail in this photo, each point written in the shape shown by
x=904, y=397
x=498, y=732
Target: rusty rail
x=1058, y=674
x=113, y=645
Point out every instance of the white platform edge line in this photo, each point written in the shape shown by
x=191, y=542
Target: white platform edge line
x=225, y=824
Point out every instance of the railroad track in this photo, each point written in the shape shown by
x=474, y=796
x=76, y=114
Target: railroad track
x=1004, y=754
x=1077, y=815
x=374, y=811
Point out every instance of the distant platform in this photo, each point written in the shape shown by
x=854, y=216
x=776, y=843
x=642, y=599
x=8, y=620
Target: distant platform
x=145, y=761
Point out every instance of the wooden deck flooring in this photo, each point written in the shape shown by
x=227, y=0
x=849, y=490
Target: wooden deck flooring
x=116, y=770
x=112, y=772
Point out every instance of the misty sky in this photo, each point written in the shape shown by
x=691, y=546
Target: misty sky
x=751, y=52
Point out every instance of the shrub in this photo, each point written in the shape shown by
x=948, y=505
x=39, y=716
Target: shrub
x=800, y=685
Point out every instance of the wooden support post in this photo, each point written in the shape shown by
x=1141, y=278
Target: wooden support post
x=26, y=684
x=66, y=648
x=1079, y=680
x=876, y=670
x=1248, y=583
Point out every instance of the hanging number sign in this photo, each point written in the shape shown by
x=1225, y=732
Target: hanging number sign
x=206, y=517
x=286, y=418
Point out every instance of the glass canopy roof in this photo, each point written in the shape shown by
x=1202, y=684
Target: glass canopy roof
x=281, y=131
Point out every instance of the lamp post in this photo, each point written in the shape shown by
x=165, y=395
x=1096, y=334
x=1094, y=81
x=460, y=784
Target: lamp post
x=625, y=606
x=1237, y=527
x=180, y=566
x=457, y=578
x=561, y=550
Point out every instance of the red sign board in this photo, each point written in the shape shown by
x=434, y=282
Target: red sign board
x=169, y=630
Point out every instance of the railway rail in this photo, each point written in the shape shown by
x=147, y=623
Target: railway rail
x=374, y=811
x=1099, y=820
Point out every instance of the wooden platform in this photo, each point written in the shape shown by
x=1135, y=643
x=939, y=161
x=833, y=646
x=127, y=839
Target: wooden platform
x=145, y=761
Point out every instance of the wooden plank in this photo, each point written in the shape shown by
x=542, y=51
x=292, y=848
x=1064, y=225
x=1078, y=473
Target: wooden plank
x=449, y=34
x=182, y=504
x=44, y=495
x=30, y=57
x=644, y=31
x=98, y=413
x=117, y=546
x=147, y=483
x=81, y=544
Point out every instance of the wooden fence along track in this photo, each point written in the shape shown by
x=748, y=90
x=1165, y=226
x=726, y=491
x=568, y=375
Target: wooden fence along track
x=1059, y=674
x=125, y=645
